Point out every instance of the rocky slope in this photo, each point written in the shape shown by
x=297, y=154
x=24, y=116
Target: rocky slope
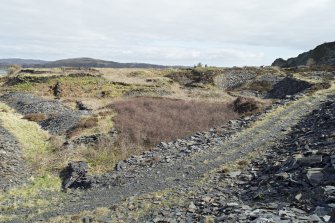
x=12, y=166
x=323, y=54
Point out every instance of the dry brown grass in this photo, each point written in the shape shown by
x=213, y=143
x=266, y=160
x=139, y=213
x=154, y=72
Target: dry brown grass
x=83, y=124
x=148, y=121
x=14, y=69
x=321, y=86
x=99, y=123
x=35, y=117
x=87, y=123
x=133, y=75
x=101, y=156
x=261, y=86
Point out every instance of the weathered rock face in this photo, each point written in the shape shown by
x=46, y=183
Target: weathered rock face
x=280, y=62
x=323, y=54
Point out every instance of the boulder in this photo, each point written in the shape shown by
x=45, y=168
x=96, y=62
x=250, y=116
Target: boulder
x=75, y=175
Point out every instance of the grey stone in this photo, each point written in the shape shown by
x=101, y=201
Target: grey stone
x=192, y=208
x=234, y=174
x=86, y=220
x=310, y=160
x=298, y=196
x=315, y=176
x=164, y=145
x=121, y=166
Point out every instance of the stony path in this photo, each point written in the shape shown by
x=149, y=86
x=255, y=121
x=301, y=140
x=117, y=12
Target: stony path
x=12, y=168
x=182, y=173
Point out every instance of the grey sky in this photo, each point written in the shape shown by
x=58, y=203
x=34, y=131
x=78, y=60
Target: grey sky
x=216, y=32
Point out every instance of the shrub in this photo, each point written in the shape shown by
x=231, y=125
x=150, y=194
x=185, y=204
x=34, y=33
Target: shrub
x=14, y=69
x=36, y=117
x=148, y=121
x=245, y=105
x=82, y=125
x=321, y=86
x=87, y=123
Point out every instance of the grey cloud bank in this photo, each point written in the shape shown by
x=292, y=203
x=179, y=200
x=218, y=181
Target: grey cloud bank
x=184, y=32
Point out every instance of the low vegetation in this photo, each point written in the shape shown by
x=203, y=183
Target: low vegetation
x=148, y=121
x=245, y=105
x=260, y=86
x=14, y=69
x=35, y=117
x=29, y=134
x=87, y=86
x=100, y=123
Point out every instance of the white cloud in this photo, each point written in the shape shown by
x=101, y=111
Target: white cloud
x=216, y=32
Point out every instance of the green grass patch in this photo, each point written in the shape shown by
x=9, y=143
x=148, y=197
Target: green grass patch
x=84, y=86
x=34, y=141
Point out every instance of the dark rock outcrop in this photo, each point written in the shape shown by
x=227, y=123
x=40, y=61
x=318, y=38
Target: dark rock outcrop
x=280, y=62
x=289, y=86
x=323, y=54
x=75, y=175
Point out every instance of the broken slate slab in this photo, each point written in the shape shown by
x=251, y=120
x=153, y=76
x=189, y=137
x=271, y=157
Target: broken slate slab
x=315, y=176
x=310, y=160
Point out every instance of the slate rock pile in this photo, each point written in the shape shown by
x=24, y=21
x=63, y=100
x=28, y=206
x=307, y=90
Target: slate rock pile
x=288, y=86
x=60, y=118
x=92, y=140
x=300, y=172
x=320, y=75
x=294, y=182
x=234, y=78
x=12, y=167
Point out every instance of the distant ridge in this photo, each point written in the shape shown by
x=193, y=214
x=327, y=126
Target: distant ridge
x=323, y=54
x=75, y=62
x=22, y=62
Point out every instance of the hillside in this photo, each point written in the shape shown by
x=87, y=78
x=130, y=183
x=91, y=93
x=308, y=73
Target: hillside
x=22, y=62
x=323, y=54
x=75, y=62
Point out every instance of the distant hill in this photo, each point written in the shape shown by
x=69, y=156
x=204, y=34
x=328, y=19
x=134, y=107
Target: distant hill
x=323, y=54
x=22, y=62
x=75, y=62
